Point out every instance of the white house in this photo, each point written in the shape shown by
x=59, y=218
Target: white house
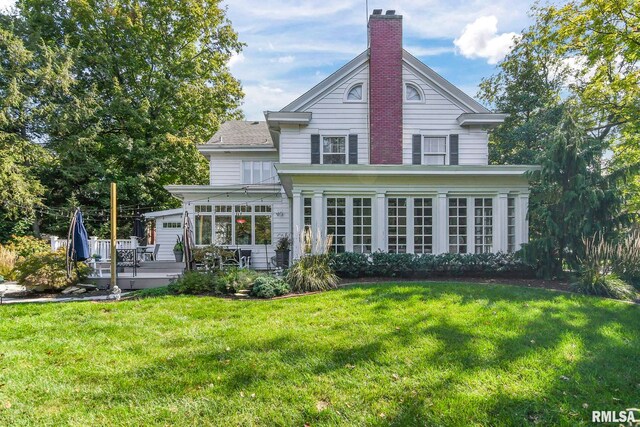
x=384, y=154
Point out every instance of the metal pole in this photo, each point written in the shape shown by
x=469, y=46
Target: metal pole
x=114, y=236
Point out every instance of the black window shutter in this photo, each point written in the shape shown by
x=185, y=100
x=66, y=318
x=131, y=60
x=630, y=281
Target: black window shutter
x=315, y=149
x=353, y=149
x=453, y=149
x=417, y=149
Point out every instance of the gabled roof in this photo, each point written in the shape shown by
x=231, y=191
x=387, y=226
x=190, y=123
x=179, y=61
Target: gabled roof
x=439, y=83
x=238, y=133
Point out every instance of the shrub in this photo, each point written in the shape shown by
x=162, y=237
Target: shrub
x=235, y=279
x=312, y=273
x=25, y=246
x=8, y=260
x=269, y=287
x=350, y=264
x=392, y=265
x=195, y=282
x=43, y=271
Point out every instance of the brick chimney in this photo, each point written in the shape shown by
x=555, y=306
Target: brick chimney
x=385, y=88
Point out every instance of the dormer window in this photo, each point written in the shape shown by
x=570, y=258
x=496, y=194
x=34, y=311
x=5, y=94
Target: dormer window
x=355, y=93
x=412, y=93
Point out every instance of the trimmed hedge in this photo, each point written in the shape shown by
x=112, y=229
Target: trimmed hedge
x=382, y=264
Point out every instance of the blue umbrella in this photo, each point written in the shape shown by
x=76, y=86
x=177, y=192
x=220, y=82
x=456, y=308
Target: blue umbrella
x=79, y=245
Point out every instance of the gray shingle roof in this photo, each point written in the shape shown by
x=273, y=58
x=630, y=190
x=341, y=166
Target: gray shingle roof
x=245, y=133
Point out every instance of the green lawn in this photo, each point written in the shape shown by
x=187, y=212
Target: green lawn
x=387, y=354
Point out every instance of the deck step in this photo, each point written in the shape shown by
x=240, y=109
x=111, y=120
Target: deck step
x=239, y=295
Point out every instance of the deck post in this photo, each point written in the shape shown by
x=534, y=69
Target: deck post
x=114, y=236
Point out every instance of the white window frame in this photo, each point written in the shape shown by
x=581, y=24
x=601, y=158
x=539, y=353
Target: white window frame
x=363, y=100
x=347, y=229
x=346, y=148
x=427, y=230
x=483, y=232
x=234, y=210
x=407, y=225
x=171, y=225
x=418, y=89
x=362, y=246
x=511, y=224
x=458, y=226
x=262, y=180
x=425, y=153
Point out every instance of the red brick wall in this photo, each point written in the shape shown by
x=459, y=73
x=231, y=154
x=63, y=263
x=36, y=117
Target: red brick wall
x=385, y=89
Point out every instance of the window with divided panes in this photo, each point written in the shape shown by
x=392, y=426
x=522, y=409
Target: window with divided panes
x=458, y=225
x=337, y=222
x=422, y=225
x=397, y=225
x=483, y=224
x=361, y=225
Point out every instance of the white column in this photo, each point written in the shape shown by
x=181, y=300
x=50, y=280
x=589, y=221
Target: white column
x=54, y=243
x=134, y=242
x=296, y=216
x=522, y=221
x=441, y=224
x=500, y=223
x=379, y=223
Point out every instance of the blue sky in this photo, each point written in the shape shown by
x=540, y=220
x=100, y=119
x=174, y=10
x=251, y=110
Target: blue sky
x=294, y=44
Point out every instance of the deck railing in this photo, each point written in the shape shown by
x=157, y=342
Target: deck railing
x=101, y=247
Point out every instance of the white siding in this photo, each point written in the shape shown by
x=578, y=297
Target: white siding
x=226, y=168
x=166, y=237
x=331, y=115
x=437, y=115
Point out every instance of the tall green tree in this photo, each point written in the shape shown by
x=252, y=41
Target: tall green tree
x=149, y=82
x=24, y=79
x=571, y=88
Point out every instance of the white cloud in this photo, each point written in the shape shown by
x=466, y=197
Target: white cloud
x=236, y=58
x=263, y=97
x=284, y=59
x=480, y=39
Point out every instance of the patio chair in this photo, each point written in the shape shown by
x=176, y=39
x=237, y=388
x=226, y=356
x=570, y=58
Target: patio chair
x=231, y=261
x=245, y=258
x=151, y=256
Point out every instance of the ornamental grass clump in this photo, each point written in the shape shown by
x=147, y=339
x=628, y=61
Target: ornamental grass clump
x=8, y=259
x=599, y=266
x=313, y=272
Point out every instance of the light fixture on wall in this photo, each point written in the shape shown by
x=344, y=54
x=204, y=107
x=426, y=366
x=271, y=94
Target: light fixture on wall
x=280, y=213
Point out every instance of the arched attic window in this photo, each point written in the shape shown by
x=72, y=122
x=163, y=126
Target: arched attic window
x=413, y=93
x=355, y=93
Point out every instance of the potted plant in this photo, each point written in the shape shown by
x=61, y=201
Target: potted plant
x=178, y=249
x=283, y=248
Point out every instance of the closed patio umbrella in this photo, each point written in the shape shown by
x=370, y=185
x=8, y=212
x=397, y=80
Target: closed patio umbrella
x=77, y=241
